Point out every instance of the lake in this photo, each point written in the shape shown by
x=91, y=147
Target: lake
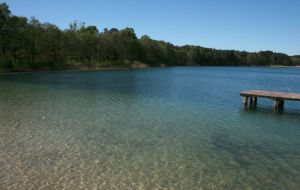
x=158, y=128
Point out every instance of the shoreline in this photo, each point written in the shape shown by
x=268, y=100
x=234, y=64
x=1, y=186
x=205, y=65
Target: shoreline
x=285, y=66
x=65, y=70
x=132, y=68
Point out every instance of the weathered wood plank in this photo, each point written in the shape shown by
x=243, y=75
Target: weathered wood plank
x=272, y=94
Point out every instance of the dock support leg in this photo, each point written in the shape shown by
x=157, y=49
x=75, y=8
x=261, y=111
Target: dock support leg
x=280, y=105
x=255, y=101
x=251, y=102
x=276, y=104
x=245, y=102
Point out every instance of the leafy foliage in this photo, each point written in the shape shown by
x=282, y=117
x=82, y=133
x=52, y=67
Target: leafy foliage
x=296, y=59
x=27, y=45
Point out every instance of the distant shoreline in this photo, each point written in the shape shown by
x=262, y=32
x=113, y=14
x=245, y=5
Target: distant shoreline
x=125, y=67
x=67, y=70
x=296, y=66
x=137, y=67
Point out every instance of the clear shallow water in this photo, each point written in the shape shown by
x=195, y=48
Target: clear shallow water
x=170, y=128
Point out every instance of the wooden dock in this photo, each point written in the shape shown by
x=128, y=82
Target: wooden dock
x=278, y=97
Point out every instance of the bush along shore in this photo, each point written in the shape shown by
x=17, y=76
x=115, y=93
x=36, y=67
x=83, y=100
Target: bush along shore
x=29, y=45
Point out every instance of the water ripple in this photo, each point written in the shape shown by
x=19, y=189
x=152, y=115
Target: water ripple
x=175, y=128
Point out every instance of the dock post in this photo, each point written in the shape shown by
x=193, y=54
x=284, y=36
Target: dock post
x=276, y=104
x=255, y=101
x=251, y=102
x=280, y=105
x=245, y=102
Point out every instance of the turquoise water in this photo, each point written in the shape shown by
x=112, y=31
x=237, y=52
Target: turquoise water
x=161, y=128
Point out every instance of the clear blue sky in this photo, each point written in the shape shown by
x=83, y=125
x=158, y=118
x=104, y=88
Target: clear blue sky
x=251, y=25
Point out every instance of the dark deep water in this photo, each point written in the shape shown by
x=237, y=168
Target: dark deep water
x=160, y=128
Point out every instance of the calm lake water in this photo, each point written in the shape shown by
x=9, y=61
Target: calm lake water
x=161, y=128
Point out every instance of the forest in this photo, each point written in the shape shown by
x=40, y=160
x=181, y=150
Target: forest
x=29, y=45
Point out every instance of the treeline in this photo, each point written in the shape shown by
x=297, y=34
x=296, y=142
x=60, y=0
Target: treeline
x=296, y=59
x=27, y=44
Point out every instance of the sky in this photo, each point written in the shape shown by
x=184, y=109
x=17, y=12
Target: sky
x=251, y=25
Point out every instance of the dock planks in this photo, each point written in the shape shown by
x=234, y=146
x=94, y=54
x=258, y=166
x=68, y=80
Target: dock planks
x=272, y=94
x=278, y=97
